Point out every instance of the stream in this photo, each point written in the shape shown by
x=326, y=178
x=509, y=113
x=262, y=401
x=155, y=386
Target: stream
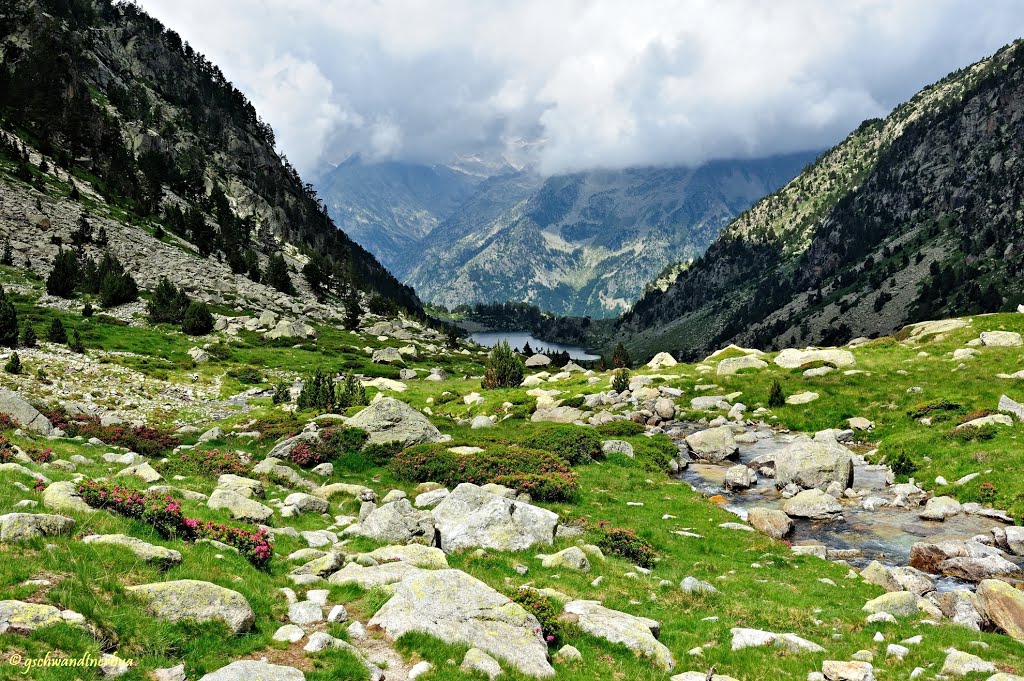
x=885, y=534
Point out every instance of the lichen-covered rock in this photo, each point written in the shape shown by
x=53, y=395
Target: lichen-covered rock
x=144, y=550
x=395, y=522
x=64, y=496
x=639, y=634
x=24, y=526
x=255, y=670
x=373, y=576
x=240, y=508
x=572, y=558
x=896, y=603
x=306, y=503
x=813, y=504
x=473, y=517
x=391, y=420
x=21, y=617
x=1004, y=606
x=190, y=599
x=247, y=487
x=24, y=414
x=769, y=521
x=793, y=359
x=714, y=444
x=814, y=464
x=426, y=557
x=732, y=365
x=457, y=608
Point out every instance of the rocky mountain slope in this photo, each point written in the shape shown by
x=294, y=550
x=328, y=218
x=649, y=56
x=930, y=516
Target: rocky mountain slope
x=910, y=217
x=109, y=115
x=587, y=243
x=391, y=206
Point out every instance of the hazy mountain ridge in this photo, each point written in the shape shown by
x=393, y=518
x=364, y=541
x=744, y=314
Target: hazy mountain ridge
x=587, y=243
x=847, y=248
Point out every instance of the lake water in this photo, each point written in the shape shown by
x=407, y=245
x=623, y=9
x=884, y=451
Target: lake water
x=517, y=339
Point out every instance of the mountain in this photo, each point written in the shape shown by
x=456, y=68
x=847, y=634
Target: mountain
x=585, y=243
x=912, y=217
x=390, y=206
x=107, y=112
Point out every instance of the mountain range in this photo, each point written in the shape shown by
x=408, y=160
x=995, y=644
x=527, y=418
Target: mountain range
x=579, y=244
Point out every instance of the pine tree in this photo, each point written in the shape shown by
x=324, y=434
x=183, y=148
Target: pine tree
x=167, y=304
x=504, y=368
x=87, y=310
x=57, y=333
x=620, y=358
x=277, y=275
x=7, y=254
x=197, y=320
x=351, y=393
x=776, y=398
x=28, y=336
x=117, y=287
x=8, y=321
x=620, y=381
x=63, y=277
x=353, y=309
x=13, y=365
x=317, y=392
x=75, y=342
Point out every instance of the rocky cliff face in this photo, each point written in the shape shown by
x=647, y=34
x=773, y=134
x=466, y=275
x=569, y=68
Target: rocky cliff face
x=910, y=217
x=587, y=243
x=110, y=110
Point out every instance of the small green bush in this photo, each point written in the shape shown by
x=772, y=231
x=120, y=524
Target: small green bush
x=56, y=333
x=75, y=343
x=197, y=320
x=28, y=336
x=929, y=408
x=973, y=433
x=532, y=471
x=282, y=392
x=620, y=381
x=246, y=375
x=544, y=610
x=776, y=398
x=575, y=444
x=446, y=398
x=205, y=463
x=620, y=429
x=13, y=365
x=504, y=368
x=626, y=543
x=576, y=401
x=901, y=464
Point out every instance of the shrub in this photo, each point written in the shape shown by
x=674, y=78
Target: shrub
x=986, y=493
x=282, y=392
x=381, y=453
x=276, y=275
x=776, y=398
x=976, y=414
x=576, y=401
x=277, y=426
x=626, y=543
x=540, y=607
x=929, y=408
x=306, y=454
x=205, y=463
x=520, y=469
x=63, y=277
x=351, y=393
x=75, y=342
x=87, y=310
x=164, y=513
x=28, y=336
x=13, y=365
x=575, y=444
x=246, y=375
x=382, y=306
x=504, y=368
x=56, y=333
x=901, y=464
x=144, y=440
x=197, y=320
x=167, y=304
x=446, y=397
x=8, y=321
x=317, y=392
x=620, y=429
x=973, y=433
x=334, y=444
x=620, y=381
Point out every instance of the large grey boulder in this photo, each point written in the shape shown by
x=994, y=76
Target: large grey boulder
x=714, y=444
x=24, y=414
x=190, y=599
x=247, y=487
x=24, y=526
x=639, y=634
x=793, y=359
x=395, y=522
x=254, y=670
x=374, y=576
x=1001, y=339
x=391, y=420
x=144, y=550
x=813, y=504
x=22, y=617
x=769, y=521
x=283, y=449
x=386, y=356
x=814, y=464
x=457, y=608
x=560, y=414
x=64, y=496
x=732, y=365
x=306, y=503
x=1004, y=606
x=473, y=517
x=414, y=554
x=240, y=508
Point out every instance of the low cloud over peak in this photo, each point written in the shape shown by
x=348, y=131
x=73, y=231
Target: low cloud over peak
x=577, y=85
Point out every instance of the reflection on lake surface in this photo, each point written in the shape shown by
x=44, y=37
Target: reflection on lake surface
x=517, y=339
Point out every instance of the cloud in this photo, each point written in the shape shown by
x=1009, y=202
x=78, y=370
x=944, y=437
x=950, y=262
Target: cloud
x=581, y=83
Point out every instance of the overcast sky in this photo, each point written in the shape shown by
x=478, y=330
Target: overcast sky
x=575, y=85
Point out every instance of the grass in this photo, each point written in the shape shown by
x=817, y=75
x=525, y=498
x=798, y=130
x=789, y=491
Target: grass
x=761, y=583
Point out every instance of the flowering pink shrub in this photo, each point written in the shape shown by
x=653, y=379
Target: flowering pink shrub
x=38, y=454
x=305, y=454
x=164, y=513
x=145, y=440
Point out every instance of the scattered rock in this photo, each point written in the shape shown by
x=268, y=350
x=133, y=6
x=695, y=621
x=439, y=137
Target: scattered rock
x=814, y=504
x=190, y=599
x=144, y=550
x=638, y=634
x=390, y=420
x=714, y=444
x=771, y=522
x=16, y=527
x=472, y=517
